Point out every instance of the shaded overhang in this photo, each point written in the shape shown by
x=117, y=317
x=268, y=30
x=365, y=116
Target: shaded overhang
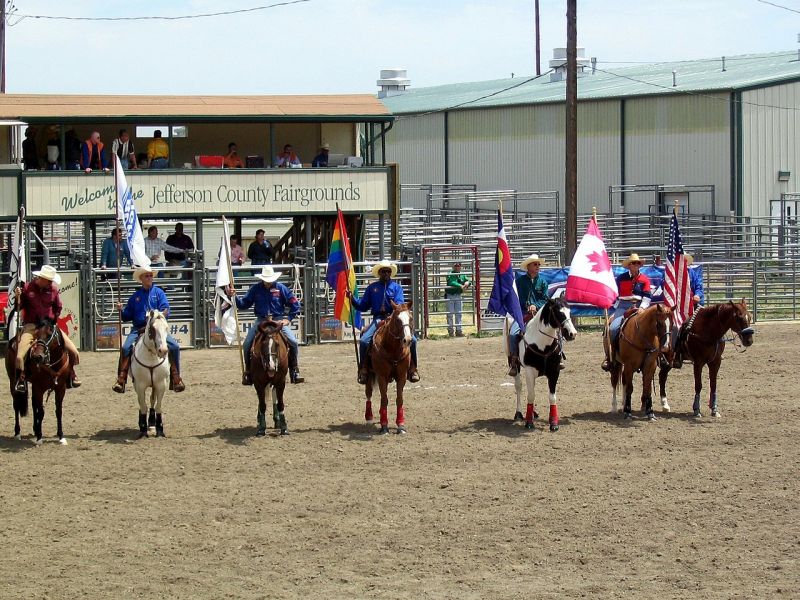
x=45, y=108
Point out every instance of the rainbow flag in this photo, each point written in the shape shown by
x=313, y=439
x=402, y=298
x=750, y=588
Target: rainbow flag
x=341, y=275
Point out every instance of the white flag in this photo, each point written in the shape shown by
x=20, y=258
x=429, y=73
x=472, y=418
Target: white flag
x=224, y=307
x=126, y=212
x=17, y=268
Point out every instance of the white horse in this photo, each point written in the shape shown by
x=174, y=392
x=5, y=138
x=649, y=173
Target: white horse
x=150, y=369
x=540, y=354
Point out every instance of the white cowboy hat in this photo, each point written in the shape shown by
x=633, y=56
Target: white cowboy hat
x=137, y=274
x=325, y=146
x=533, y=258
x=688, y=258
x=268, y=274
x=632, y=258
x=48, y=272
x=384, y=264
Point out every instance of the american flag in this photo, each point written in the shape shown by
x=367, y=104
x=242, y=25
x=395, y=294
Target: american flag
x=677, y=288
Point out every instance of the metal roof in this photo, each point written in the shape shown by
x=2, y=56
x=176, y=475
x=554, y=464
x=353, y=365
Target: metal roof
x=40, y=107
x=693, y=76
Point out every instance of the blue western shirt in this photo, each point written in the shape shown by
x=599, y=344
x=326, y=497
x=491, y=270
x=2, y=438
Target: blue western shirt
x=272, y=301
x=108, y=256
x=142, y=301
x=377, y=296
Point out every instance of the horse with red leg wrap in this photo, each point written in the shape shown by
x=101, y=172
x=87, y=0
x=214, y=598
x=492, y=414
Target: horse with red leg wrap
x=389, y=359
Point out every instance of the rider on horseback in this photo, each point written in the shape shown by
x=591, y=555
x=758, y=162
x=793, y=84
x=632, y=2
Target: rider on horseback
x=532, y=291
x=146, y=298
x=634, y=286
x=39, y=299
x=378, y=298
x=271, y=299
x=698, y=300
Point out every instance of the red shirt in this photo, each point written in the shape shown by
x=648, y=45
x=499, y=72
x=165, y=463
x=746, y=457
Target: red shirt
x=633, y=286
x=37, y=303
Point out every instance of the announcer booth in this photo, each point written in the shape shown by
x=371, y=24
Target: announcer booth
x=70, y=212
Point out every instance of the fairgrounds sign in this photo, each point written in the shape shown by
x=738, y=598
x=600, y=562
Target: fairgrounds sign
x=230, y=192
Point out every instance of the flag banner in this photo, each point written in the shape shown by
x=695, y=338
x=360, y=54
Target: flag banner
x=18, y=270
x=591, y=278
x=677, y=286
x=224, y=307
x=126, y=213
x=504, y=299
x=340, y=275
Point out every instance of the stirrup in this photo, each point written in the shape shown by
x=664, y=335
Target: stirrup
x=177, y=386
x=294, y=376
x=363, y=376
x=119, y=387
x=246, y=380
x=20, y=388
x=606, y=366
x=413, y=375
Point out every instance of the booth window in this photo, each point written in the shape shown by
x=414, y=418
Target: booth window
x=146, y=131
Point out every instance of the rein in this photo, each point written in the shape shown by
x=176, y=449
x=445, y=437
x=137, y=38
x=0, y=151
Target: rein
x=647, y=349
x=48, y=364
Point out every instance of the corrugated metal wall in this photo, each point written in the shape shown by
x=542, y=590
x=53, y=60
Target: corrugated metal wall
x=417, y=145
x=769, y=144
x=679, y=140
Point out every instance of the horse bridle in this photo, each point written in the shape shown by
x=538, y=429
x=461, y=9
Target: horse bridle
x=46, y=353
x=558, y=338
x=379, y=348
x=150, y=332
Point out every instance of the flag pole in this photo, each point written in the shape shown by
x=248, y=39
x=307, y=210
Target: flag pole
x=607, y=333
x=340, y=219
x=20, y=273
x=225, y=245
x=119, y=252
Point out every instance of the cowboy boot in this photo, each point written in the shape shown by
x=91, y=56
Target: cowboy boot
x=413, y=375
x=363, y=374
x=513, y=366
x=122, y=374
x=246, y=379
x=175, y=382
x=294, y=371
x=73, y=381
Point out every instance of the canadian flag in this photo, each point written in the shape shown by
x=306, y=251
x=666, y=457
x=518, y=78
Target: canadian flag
x=591, y=280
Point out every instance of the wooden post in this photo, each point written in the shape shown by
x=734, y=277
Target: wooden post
x=571, y=162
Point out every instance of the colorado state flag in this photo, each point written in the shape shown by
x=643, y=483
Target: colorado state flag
x=504, y=299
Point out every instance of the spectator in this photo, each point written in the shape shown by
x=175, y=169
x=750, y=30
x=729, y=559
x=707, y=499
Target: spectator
x=288, y=158
x=141, y=160
x=123, y=147
x=321, y=159
x=232, y=158
x=30, y=155
x=260, y=251
x=237, y=252
x=72, y=151
x=182, y=241
x=53, y=151
x=158, y=153
x=111, y=251
x=457, y=282
x=93, y=154
x=154, y=246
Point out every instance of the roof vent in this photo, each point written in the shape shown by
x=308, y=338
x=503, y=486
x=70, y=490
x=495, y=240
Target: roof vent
x=393, y=82
x=559, y=63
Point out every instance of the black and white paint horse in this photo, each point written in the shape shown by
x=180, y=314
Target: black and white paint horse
x=540, y=354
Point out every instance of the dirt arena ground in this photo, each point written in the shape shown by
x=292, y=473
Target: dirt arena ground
x=466, y=505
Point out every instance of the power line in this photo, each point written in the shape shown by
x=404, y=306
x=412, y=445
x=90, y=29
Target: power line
x=165, y=18
x=794, y=10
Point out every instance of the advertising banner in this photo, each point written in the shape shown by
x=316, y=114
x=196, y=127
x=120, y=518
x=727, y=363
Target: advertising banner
x=108, y=338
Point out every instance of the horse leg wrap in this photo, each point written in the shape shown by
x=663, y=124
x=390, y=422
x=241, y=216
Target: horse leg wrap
x=142, y=423
x=401, y=416
x=553, y=414
x=384, y=416
x=529, y=414
x=151, y=420
x=160, y=425
x=368, y=416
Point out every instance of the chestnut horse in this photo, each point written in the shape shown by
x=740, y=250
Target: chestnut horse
x=641, y=339
x=48, y=370
x=269, y=364
x=389, y=359
x=701, y=341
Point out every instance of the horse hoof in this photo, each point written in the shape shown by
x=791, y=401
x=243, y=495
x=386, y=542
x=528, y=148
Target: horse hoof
x=401, y=430
x=518, y=418
x=651, y=416
x=697, y=413
x=151, y=430
x=529, y=425
x=160, y=433
x=143, y=434
x=665, y=406
x=18, y=437
x=284, y=431
x=716, y=413
x=261, y=433
x=553, y=427
x=62, y=441
x=370, y=422
x=627, y=415
x=39, y=442
x=384, y=430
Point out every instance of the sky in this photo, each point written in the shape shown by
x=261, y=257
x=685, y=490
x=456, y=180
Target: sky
x=340, y=46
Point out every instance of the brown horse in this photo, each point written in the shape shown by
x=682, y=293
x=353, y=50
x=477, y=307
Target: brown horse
x=269, y=364
x=701, y=341
x=47, y=369
x=641, y=339
x=389, y=359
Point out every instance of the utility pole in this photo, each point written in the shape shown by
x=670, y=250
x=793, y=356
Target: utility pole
x=538, y=43
x=571, y=164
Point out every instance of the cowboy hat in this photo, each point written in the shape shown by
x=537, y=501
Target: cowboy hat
x=137, y=274
x=48, y=272
x=268, y=274
x=384, y=264
x=688, y=258
x=325, y=146
x=632, y=258
x=533, y=258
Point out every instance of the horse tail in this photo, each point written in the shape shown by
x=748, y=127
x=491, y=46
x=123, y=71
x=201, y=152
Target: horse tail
x=21, y=403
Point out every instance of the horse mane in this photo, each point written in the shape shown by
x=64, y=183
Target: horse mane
x=269, y=327
x=45, y=321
